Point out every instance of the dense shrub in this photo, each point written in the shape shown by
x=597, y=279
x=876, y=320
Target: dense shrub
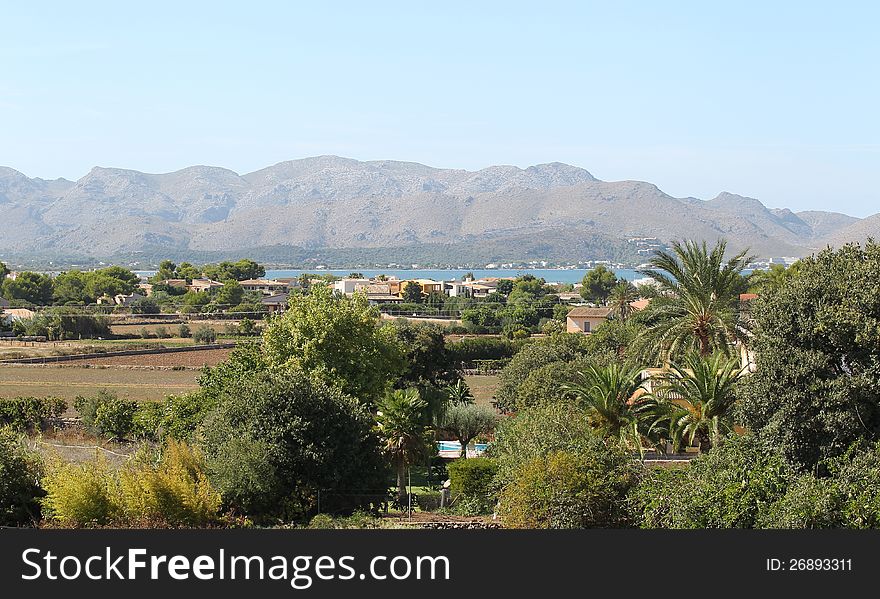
x=78, y=495
x=470, y=481
x=28, y=413
x=567, y=489
x=182, y=414
x=357, y=520
x=809, y=502
x=204, y=334
x=183, y=331
x=728, y=487
x=856, y=475
x=19, y=470
x=471, y=349
x=172, y=490
x=552, y=444
x=106, y=415
x=145, y=305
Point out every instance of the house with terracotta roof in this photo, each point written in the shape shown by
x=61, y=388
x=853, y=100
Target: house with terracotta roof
x=199, y=285
x=264, y=286
x=585, y=319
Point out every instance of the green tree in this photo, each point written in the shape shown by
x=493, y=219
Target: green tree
x=19, y=471
x=412, y=293
x=700, y=308
x=145, y=305
x=3, y=271
x=401, y=416
x=467, y=421
x=597, y=284
x=772, y=279
x=816, y=389
x=30, y=287
x=565, y=489
x=336, y=340
x=697, y=399
x=504, y=286
x=277, y=439
x=229, y=295
x=428, y=361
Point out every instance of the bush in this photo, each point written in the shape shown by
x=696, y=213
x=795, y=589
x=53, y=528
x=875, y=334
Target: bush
x=79, y=495
x=247, y=327
x=551, y=446
x=729, y=487
x=204, y=335
x=182, y=414
x=357, y=520
x=471, y=349
x=172, y=490
x=145, y=305
x=30, y=413
x=183, y=331
x=470, y=481
x=857, y=478
x=19, y=470
x=145, y=333
x=106, y=415
x=566, y=489
x=162, y=333
x=809, y=502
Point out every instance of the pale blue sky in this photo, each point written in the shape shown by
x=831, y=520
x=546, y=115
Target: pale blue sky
x=775, y=100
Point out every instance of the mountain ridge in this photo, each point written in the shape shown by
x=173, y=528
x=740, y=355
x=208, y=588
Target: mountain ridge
x=335, y=203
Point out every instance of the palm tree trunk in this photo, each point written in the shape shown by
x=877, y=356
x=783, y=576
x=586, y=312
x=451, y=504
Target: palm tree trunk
x=401, y=483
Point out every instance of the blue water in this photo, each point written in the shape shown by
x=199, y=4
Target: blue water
x=551, y=275
x=456, y=446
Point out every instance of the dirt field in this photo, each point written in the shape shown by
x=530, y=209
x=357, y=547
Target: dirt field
x=189, y=359
x=70, y=381
x=482, y=387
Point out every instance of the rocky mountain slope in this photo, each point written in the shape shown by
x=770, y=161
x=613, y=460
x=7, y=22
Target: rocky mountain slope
x=327, y=202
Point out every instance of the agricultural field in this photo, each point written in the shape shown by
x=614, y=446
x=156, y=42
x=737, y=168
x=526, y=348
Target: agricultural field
x=483, y=387
x=68, y=381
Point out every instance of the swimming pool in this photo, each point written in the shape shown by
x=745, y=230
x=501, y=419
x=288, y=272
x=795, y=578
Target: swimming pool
x=456, y=446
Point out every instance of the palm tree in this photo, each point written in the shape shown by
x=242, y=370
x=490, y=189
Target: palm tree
x=621, y=298
x=616, y=409
x=405, y=438
x=695, y=399
x=700, y=295
x=459, y=393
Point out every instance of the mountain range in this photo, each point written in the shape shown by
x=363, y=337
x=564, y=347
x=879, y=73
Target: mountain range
x=324, y=207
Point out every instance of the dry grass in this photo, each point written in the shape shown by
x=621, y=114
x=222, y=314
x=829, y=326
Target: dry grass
x=190, y=359
x=70, y=381
x=483, y=387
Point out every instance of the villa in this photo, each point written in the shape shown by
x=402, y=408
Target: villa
x=586, y=320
